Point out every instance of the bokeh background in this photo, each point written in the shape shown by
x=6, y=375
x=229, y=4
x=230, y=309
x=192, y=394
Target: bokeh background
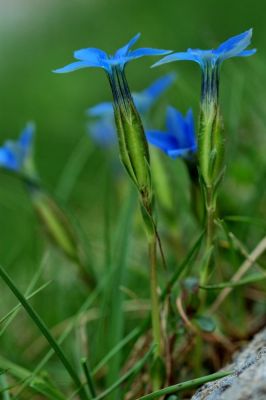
x=37, y=36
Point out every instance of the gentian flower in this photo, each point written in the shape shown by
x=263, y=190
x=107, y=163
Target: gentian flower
x=210, y=141
x=102, y=130
x=211, y=60
x=133, y=146
x=179, y=140
x=16, y=155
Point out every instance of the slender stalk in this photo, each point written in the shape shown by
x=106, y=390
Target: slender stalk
x=45, y=331
x=210, y=216
x=155, y=309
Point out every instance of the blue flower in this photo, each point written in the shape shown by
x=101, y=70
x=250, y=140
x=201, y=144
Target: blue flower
x=133, y=146
x=14, y=155
x=233, y=47
x=103, y=129
x=180, y=139
x=210, y=62
x=93, y=57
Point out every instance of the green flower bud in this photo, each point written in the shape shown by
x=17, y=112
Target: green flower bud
x=210, y=140
x=133, y=146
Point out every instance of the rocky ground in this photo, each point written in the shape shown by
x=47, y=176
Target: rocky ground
x=249, y=379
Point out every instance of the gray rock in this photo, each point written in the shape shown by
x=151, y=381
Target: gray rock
x=249, y=379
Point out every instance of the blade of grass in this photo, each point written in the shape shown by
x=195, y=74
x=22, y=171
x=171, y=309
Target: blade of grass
x=73, y=168
x=18, y=306
x=186, y=385
x=89, y=301
x=38, y=384
x=3, y=385
x=28, y=290
x=137, y=332
x=247, y=264
x=246, y=220
x=182, y=267
x=250, y=279
x=119, y=268
x=131, y=372
x=45, y=331
x=132, y=335
x=89, y=378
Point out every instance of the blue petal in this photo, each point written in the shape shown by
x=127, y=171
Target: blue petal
x=160, y=85
x=90, y=54
x=123, y=51
x=77, y=65
x=26, y=136
x=176, y=125
x=247, y=53
x=101, y=109
x=190, y=128
x=163, y=140
x=7, y=159
x=235, y=45
x=188, y=56
x=146, y=51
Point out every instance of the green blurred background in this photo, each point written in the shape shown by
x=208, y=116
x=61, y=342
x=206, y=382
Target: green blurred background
x=37, y=36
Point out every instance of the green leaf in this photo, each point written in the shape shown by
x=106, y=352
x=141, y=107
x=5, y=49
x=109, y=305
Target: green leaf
x=131, y=372
x=206, y=324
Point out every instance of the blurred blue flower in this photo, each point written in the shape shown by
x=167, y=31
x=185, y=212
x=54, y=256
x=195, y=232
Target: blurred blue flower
x=233, y=47
x=145, y=99
x=103, y=129
x=93, y=57
x=14, y=155
x=180, y=138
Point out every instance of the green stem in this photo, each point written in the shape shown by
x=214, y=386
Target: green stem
x=155, y=309
x=45, y=331
x=89, y=378
x=186, y=385
x=210, y=216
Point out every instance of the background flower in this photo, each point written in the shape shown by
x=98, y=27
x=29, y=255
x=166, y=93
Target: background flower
x=15, y=155
x=179, y=140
